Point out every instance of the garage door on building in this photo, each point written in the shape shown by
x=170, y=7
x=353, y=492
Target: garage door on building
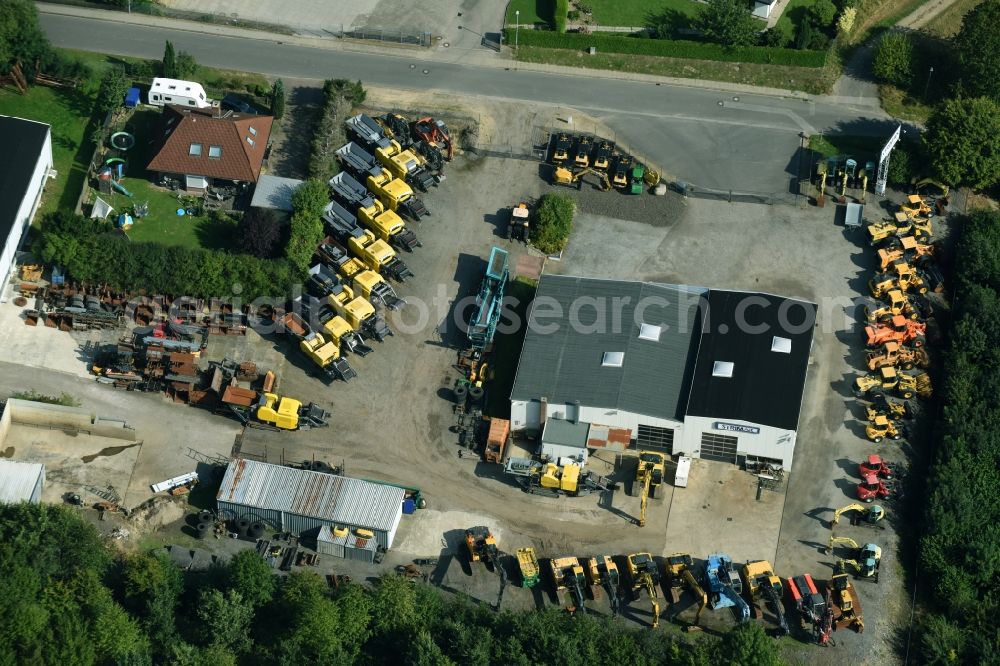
x=721, y=448
x=651, y=437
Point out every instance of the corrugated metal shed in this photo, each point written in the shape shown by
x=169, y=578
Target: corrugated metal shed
x=349, y=546
x=608, y=438
x=298, y=500
x=21, y=482
x=274, y=192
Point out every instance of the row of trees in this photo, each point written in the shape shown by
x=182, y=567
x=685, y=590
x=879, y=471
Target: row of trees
x=962, y=141
x=91, y=252
x=554, y=223
x=66, y=599
x=306, y=229
x=23, y=43
x=960, y=542
x=339, y=96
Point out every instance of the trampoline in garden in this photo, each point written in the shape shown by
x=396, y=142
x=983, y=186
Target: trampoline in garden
x=122, y=140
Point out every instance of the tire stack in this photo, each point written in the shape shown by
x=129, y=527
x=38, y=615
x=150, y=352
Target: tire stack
x=255, y=530
x=206, y=524
x=242, y=526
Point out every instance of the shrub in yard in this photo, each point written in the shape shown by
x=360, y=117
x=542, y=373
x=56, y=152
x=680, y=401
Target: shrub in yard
x=561, y=11
x=894, y=59
x=822, y=13
x=278, y=99
x=902, y=164
x=781, y=35
x=845, y=23
x=573, y=15
x=728, y=22
x=64, y=399
x=186, y=66
x=555, y=222
x=259, y=233
x=111, y=95
x=306, y=227
x=169, y=64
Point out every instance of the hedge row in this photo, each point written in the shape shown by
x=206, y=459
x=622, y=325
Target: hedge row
x=612, y=43
x=89, y=252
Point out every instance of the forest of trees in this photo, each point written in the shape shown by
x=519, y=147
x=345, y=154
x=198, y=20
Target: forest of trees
x=960, y=542
x=69, y=599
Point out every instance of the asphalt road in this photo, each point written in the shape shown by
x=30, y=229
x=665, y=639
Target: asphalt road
x=705, y=137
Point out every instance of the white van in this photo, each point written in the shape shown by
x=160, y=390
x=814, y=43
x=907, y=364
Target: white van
x=182, y=93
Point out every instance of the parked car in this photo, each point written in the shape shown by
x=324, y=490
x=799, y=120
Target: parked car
x=233, y=103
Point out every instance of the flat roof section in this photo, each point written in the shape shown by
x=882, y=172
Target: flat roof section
x=753, y=358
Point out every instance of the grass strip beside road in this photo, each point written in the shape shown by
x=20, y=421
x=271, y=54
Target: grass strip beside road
x=902, y=105
x=860, y=148
x=807, y=79
x=949, y=22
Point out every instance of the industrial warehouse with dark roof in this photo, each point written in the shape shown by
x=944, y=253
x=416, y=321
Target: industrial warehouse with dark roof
x=708, y=373
x=24, y=170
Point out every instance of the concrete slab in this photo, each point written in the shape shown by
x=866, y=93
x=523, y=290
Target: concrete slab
x=40, y=346
x=718, y=513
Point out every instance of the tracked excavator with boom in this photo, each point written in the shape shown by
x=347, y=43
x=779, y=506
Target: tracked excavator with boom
x=760, y=584
x=568, y=574
x=603, y=572
x=724, y=586
x=645, y=575
x=680, y=568
x=867, y=515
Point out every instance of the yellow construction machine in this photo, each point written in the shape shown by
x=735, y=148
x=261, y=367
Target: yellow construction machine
x=908, y=249
x=846, y=604
x=864, y=559
x=326, y=354
x=893, y=354
x=645, y=575
x=880, y=405
x=362, y=279
x=560, y=152
x=649, y=476
x=387, y=226
x=395, y=194
x=900, y=225
x=867, y=515
x=284, y=413
x=904, y=278
x=881, y=427
x=603, y=572
x=915, y=206
x=581, y=156
x=564, y=176
x=377, y=255
x=568, y=574
x=898, y=305
x=358, y=313
x=679, y=575
x=406, y=165
x=760, y=583
x=889, y=379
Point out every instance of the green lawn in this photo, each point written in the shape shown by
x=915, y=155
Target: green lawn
x=794, y=14
x=861, y=148
x=634, y=13
x=69, y=114
x=533, y=12
x=603, y=12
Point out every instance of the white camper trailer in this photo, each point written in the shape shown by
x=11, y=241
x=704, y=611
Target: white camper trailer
x=182, y=93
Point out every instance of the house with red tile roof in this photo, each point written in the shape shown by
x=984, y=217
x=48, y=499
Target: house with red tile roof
x=204, y=147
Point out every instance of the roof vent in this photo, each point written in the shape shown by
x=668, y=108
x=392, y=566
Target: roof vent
x=782, y=345
x=613, y=359
x=722, y=369
x=649, y=332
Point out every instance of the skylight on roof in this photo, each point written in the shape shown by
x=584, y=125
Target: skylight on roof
x=215, y=151
x=649, y=332
x=195, y=149
x=613, y=359
x=250, y=141
x=253, y=131
x=781, y=345
x=722, y=369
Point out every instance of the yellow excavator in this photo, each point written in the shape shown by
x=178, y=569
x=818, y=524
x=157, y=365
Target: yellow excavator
x=568, y=574
x=603, y=572
x=865, y=559
x=867, y=515
x=645, y=575
x=760, y=583
x=649, y=474
x=564, y=176
x=679, y=576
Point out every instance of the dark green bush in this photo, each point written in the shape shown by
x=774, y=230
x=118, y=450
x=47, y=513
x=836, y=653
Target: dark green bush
x=555, y=223
x=613, y=43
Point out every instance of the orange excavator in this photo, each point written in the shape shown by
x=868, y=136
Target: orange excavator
x=899, y=329
x=435, y=133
